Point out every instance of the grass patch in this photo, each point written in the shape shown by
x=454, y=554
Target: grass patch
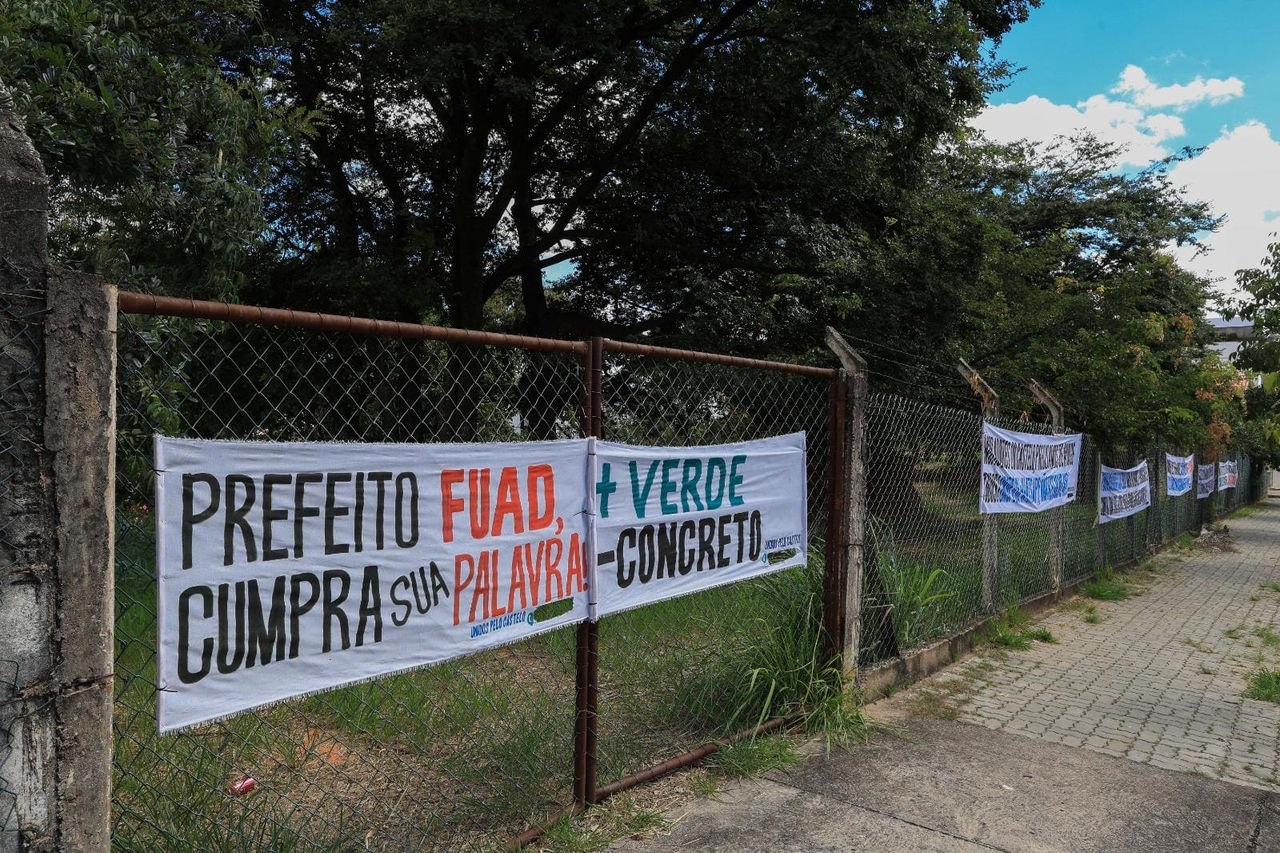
x=1010, y=630
x=1264, y=684
x=1273, y=586
x=917, y=592
x=1268, y=637
x=620, y=816
x=747, y=758
x=1245, y=512
x=1105, y=587
x=776, y=669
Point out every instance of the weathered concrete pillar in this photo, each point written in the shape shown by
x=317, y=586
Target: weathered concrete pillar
x=57, y=359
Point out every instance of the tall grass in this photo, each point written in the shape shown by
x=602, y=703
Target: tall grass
x=780, y=668
x=918, y=593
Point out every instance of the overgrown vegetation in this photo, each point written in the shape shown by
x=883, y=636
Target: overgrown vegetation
x=1264, y=684
x=919, y=593
x=1011, y=630
x=1105, y=586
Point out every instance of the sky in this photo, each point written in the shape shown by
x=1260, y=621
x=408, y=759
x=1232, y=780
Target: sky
x=1156, y=76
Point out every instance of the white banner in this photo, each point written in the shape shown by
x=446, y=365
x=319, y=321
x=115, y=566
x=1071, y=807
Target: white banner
x=1228, y=476
x=675, y=520
x=1178, y=473
x=287, y=568
x=1123, y=492
x=1025, y=472
x=1204, y=480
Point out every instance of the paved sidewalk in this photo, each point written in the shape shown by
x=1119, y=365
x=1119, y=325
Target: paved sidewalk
x=1160, y=678
x=1129, y=733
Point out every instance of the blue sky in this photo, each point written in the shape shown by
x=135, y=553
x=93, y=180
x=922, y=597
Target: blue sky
x=1157, y=75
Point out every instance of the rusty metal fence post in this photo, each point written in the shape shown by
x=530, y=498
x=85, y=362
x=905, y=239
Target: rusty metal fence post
x=588, y=640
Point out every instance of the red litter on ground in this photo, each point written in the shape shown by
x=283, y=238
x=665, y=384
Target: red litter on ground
x=243, y=785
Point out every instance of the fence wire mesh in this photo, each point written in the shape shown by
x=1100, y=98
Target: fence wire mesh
x=677, y=674
x=449, y=757
x=465, y=754
x=926, y=548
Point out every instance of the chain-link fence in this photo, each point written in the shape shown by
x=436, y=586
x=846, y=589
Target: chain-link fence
x=451, y=756
x=467, y=753
x=927, y=544
x=677, y=674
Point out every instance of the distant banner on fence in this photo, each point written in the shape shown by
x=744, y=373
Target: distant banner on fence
x=1123, y=492
x=1205, y=480
x=1025, y=472
x=1228, y=476
x=287, y=568
x=675, y=520
x=1178, y=473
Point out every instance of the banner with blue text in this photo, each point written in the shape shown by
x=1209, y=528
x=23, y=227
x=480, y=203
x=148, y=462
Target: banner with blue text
x=1025, y=472
x=1123, y=492
x=288, y=568
x=1178, y=473
x=1228, y=476
x=1205, y=480
x=675, y=520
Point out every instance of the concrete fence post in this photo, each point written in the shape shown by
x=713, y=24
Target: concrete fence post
x=57, y=366
x=1057, y=515
x=990, y=524
x=854, y=503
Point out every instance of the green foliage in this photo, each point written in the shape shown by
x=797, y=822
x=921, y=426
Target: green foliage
x=155, y=153
x=1264, y=684
x=754, y=756
x=1105, y=587
x=782, y=670
x=710, y=168
x=917, y=593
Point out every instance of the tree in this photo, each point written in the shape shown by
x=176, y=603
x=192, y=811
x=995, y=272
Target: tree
x=155, y=158
x=1260, y=353
x=1043, y=262
x=468, y=146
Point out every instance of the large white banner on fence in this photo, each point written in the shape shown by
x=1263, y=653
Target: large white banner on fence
x=1025, y=472
x=1228, y=475
x=1178, y=474
x=286, y=568
x=675, y=520
x=1123, y=492
x=1205, y=480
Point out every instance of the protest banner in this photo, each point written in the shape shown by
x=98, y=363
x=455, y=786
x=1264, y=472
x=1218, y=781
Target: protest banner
x=670, y=521
x=1228, y=476
x=1025, y=472
x=1177, y=474
x=1205, y=482
x=1123, y=492
x=288, y=568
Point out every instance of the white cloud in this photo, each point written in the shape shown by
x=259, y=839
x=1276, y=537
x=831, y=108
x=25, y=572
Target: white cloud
x=1134, y=81
x=1238, y=173
x=1141, y=134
